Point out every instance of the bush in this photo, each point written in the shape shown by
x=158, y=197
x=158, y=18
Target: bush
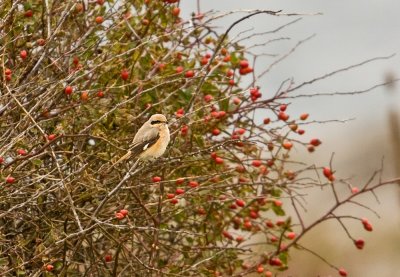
x=77, y=83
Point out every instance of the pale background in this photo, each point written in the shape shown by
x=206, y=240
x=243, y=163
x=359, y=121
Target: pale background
x=347, y=32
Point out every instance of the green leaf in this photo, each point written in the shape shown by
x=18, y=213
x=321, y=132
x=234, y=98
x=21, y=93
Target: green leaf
x=37, y=162
x=3, y=261
x=58, y=265
x=278, y=210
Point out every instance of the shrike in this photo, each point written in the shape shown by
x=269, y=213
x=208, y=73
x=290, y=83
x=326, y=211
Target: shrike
x=152, y=139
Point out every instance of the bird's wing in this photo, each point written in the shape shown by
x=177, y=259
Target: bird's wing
x=144, y=141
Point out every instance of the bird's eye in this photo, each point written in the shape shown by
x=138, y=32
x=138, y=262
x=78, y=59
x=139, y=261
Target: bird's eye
x=155, y=122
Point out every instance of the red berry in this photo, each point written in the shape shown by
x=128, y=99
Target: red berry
x=124, y=74
x=247, y=224
x=108, y=258
x=174, y=201
x=156, y=179
x=300, y=131
x=216, y=132
x=240, y=169
x=239, y=239
x=310, y=148
x=21, y=152
x=49, y=267
x=41, y=42
x=236, y=101
x=193, y=184
x=243, y=71
x=359, y=243
x=315, y=142
x=226, y=59
x=99, y=19
x=161, y=66
x=283, y=116
x=204, y=61
x=280, y=222
x=229, y=73
x=253, y=214
x=189, y=74
x=180, y=181
x=231, y=82
x=201, y=211
x=227, y=235
x=243, y=64
x=176, y=11
x=342, y=272
x=221, y=114
x=10, y=180
x=124, y=212
x=256, y=163
x=240, y=203
x=273, y=238
x=267, y=120
x=180, y=112
x=282, y=107
x=179, y=69
x=275, y=261
x=23, y=54
x=84, y=96
x=170, y=195
x=119, y=216
x=7, y=71
x=368, y=226
x=214, y=114
x=355, y=190
x=100, y=94
x=327, y=172
x=278, y=203
x=51, y=136
x=304, y=116
x=269, y=224
x=180, y=191
x=287, y=145
x=246, y=70
x=68, y=90
x=184, y=130
x=232, y=206
x=214, y=155
x=219, y=160
x=268, y=274
x=240, y=131
x=291, y=235
x=100, y=2
x=208, y=98
x=260, y=269
x=28, y=13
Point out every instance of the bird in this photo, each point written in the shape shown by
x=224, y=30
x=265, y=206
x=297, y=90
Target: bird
x=152, y=139
x=149, y=143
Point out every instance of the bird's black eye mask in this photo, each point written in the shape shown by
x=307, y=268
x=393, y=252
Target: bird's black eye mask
x=156, y=122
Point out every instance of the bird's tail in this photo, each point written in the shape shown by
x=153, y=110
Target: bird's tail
x=120, y=160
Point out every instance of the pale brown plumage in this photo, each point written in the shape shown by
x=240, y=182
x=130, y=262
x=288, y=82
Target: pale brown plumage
x=152, y=139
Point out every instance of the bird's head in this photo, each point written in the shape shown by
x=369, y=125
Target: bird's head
x=157, y=120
